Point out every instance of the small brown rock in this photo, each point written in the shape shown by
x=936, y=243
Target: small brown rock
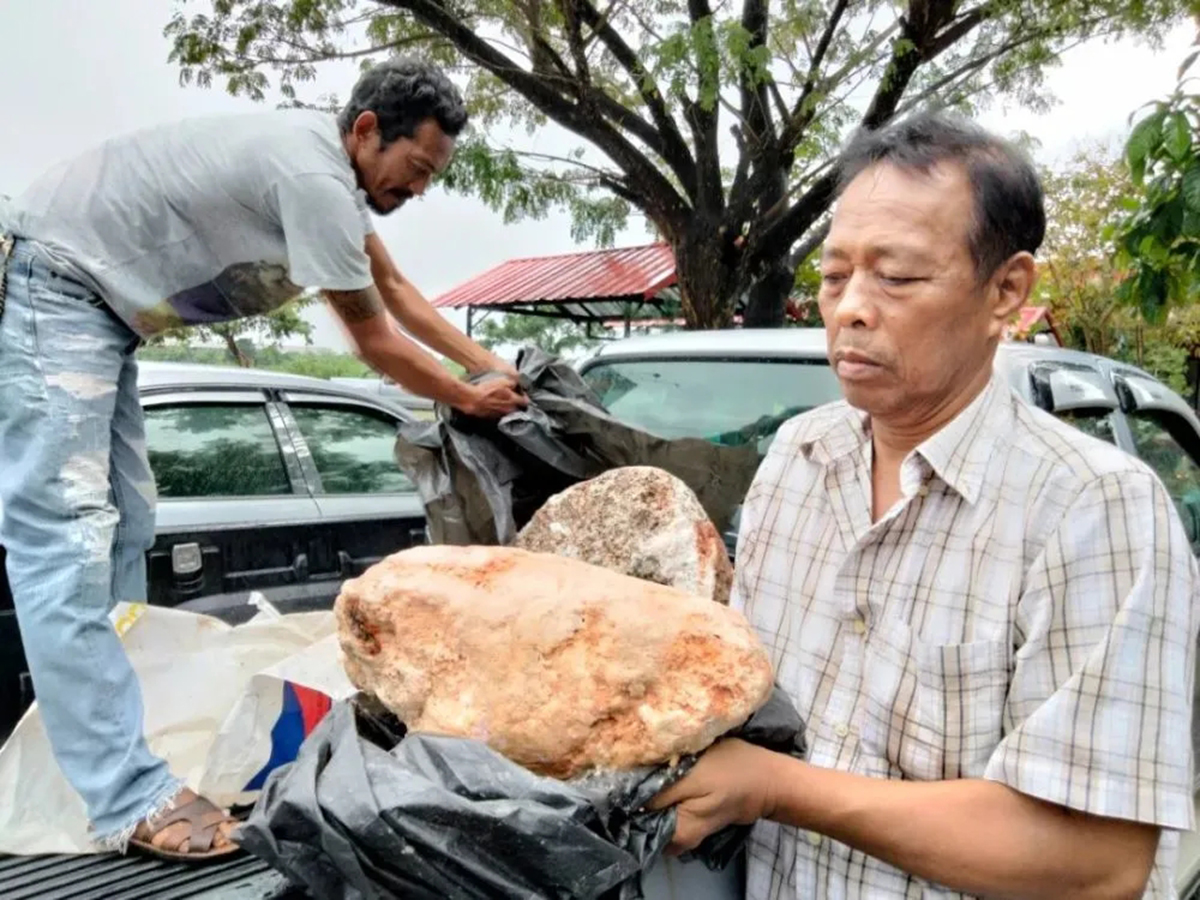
x=640, y=521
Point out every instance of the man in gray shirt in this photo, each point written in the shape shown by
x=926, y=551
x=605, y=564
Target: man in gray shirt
x=195, y=222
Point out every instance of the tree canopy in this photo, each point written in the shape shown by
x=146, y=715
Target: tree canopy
x=715, y=120
x=1160, y=241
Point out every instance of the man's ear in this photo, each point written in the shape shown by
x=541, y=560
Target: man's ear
x=366, y=123
x=1012, y=286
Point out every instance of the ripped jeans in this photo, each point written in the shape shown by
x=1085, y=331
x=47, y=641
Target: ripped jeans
x=77, y=499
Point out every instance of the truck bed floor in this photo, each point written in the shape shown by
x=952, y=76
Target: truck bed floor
x=113, y=877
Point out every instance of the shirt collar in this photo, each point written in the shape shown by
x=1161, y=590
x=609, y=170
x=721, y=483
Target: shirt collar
x=959, y=454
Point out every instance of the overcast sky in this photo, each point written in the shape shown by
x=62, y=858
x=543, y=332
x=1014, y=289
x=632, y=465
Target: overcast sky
x=78, y=71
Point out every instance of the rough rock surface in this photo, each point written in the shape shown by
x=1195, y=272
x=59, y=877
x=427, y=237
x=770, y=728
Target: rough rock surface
x=562, y=666
x=638, y=520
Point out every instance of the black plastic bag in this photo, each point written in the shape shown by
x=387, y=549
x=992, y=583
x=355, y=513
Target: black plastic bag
x=481, y=481
x=367, y=813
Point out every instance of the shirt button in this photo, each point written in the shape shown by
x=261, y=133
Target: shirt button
x=923, y=490
x=814, y=838
x=860, y=627
x=841, y=729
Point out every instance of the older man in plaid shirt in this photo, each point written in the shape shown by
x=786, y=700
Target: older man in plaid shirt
x=985, y=617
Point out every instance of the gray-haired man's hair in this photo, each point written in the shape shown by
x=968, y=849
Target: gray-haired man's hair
x=403, y=92
x=1010, y=214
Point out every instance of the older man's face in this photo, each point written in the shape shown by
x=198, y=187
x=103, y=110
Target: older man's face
x=908, y=322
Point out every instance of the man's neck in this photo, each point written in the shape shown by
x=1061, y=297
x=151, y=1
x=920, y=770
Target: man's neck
x=894, y=438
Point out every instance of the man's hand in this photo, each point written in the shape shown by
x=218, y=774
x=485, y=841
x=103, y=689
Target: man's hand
x=496, y=364
x=494, y=398
x=731, y=784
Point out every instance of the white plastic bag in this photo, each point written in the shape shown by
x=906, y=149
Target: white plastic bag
x=223, y=705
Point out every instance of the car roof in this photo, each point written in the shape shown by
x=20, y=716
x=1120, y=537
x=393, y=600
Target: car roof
x=802, y=343
x=160, y=376
x=154, y=374
x=1013, y=357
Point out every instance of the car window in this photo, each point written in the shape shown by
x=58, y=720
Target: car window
x=733, y=402
x=214, y=450
x=1095, y=422
x=352, y=448
x=1169, y=445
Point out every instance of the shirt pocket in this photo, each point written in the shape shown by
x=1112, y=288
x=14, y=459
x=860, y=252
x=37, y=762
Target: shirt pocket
x=931, y=711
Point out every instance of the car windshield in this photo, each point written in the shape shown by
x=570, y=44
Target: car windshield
x=728, y=401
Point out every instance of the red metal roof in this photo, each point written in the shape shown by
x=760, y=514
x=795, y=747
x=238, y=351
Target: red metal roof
x=597, y=274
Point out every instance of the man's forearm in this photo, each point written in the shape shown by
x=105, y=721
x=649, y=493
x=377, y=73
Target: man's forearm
x=972, y=835
x=422, y=321
x=415, y=370
x=388, y=351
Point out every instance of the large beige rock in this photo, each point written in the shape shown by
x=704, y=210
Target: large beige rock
x=561, y=666
x=638, y=520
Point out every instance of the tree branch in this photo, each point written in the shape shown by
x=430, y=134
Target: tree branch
x=759, y=155
x=972, y=66
x=812, y=240
x=699, y=9
x=675, y=151
x=656, y=195
x=920, y=44
x=756, y=109
x=801, y=111
x=575, y=42
x=710, y=188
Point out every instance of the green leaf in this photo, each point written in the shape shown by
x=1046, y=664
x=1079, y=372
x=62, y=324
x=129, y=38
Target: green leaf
x=1177, y=136
x=1152, y=250
x=1186, y=64
x=1144, y=140
x=1190, y=188
x=1152, y=295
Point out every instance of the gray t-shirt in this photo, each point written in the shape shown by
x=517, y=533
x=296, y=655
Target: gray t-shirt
x=204, y=220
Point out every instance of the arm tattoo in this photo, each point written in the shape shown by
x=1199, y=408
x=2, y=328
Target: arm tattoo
x=356, y=306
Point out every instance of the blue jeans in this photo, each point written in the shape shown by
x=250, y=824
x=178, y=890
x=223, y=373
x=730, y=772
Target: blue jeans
x=78, y=497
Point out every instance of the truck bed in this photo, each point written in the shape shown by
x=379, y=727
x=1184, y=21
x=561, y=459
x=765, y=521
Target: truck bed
x=113, y=877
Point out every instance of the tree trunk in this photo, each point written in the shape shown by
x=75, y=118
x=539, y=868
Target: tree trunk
x=235, y=351
x=706, y=270
x=767, y=299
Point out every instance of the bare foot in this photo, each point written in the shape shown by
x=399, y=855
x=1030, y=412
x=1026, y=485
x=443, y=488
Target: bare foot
x=191, y=829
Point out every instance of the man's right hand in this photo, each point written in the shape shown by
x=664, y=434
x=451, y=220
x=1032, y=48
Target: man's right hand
x=494, y=398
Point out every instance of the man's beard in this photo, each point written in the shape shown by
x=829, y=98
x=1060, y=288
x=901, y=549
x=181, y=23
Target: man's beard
x=377, y=209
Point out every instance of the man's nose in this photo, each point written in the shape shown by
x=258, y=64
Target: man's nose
x=856, y=304
x=419, y=186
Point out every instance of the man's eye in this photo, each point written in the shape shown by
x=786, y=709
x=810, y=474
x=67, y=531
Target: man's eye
x=832, y=277
x=898, y=279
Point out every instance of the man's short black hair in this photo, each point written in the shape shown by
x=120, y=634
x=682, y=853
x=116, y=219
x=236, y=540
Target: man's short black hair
x=1010, y=212
x=403, y=92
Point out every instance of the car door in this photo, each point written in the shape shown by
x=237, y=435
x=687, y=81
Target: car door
x=346, y=449
x=234, y=514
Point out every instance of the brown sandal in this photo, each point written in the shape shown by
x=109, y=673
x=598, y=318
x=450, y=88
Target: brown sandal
x=204, y=818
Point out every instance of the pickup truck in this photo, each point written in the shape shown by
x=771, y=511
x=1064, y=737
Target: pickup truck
x=267, y=482
x=739, y=386
x=734, y=387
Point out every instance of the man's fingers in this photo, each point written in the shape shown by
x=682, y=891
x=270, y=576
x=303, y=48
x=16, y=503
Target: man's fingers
x=668, y=797
x=688, y=835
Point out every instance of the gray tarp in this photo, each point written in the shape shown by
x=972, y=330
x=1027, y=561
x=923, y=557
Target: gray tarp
x=481, y=481
x=367, y=813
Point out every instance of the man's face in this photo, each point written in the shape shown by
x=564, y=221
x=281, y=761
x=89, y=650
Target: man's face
x=403, y=169
x=909, y=325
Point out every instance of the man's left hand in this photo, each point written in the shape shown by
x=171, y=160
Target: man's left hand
x=731, y=784
x=495, y=364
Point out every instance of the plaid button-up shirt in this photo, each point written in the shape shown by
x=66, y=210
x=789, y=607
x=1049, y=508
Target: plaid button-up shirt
x=1024, y=614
